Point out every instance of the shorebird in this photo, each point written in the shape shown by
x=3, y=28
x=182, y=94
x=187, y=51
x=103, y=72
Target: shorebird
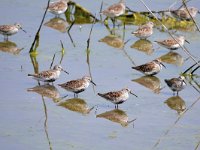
x=144, y=31
x=117, y=97
x=115, y=10
x=176, y=84
x=182, y=13
x=77, y=86
x=8, y=30
x=150, y=68
x=171, y=43
x=48, y=75
x=58, y=7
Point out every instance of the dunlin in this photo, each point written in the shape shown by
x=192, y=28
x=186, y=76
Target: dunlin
x=150, y=68
x=115, y=10
x=58, y=7
x=171, y=43
x=48, y=75
x=183, y=13
x=117, y=97
x=144, y=31
x=8, y=30
x=77, y=86
x=176, y=84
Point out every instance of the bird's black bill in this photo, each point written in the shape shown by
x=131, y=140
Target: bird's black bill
x=133, y=94
x=163, y=65
x=184, y=82
x=187, y=41
x=23, y=30
x=93, y=83
x=65, y=71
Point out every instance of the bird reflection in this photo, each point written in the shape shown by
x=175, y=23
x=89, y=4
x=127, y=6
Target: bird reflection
x=190, y=27
x=176, y=103
x=144, y=46
x=10, y=47
x=116, y=115
x=113, y=40
x=58, y=24
x=150, y=82
x=47, y=90
x=173, y=58
x=77, y=105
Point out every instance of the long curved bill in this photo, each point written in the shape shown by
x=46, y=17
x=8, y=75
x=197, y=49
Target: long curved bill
x=65, y=71
x=133, y=94
x=93, y=83
x=163, y=65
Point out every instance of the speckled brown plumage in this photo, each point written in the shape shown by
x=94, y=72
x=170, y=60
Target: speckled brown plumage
x=150, y=68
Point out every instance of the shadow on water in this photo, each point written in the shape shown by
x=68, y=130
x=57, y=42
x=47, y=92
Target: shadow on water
x=49, y=91
x=10, y=47
x=150, y=82
x=113, y=41
x=77, y=105
x=173, y=58
x=117, y=116
x=144, y=46
x=58, y=24
x=176, y=103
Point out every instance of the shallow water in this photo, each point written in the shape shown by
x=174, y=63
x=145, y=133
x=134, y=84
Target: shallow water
x=32, y=121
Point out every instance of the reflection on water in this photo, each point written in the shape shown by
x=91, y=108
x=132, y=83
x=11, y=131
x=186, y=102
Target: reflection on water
x=144, y=46
x=113, y=40
x=10, y=47
x=47, y=90
x=173, y=58
x=77, y=105
x=150, y=82
x=176, y=103
x=58, y=24
x=79, y=14
x=116, y=115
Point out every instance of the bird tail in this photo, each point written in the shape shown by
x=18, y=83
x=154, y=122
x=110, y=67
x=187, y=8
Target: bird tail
x=133, y=32
x=100, y=94
x=30, y=75
x=167, y=81
x=33, y=75
x=30, y=89
x=136, y=68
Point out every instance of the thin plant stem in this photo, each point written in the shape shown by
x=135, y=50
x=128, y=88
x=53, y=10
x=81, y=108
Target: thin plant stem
x=184, y=4
x=184, y=49
x=38, y=31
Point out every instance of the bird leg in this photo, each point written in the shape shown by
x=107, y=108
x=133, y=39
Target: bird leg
x=113, y=21
x=5, y=37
